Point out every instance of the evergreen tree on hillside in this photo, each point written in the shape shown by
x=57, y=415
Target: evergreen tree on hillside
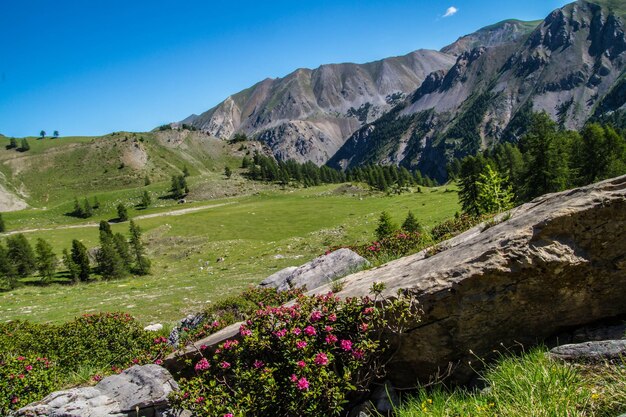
x=71, y=266
x=55, y=134
x=105, y=229
x=494, y=194
x=122, y=213
x=142, y=263
x=24, y=146
x=8, y=273
x=121, y=245
x=179, y=186
x=96, y=203
x=2, y=225
x=46, y=260
x=185, y=171
x=385, y=228
x=228, y=172
x=21, y=255
x=600, y=153
x=42, y=134
x=87, y=209
x=12, y=144
x=80, y=258
x=245, y=162
x=145, y=200
x=78, y=210
x=110, y=263
x=471, y=168
x=411, y=224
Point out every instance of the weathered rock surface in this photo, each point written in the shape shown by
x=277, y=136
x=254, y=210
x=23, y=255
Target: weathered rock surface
x=138, y=391
x=605, y=350
x=558, y=263
x=321, y=270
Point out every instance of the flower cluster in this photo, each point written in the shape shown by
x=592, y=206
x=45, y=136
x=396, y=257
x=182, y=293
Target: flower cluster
x=312, y=355
x=23, y=379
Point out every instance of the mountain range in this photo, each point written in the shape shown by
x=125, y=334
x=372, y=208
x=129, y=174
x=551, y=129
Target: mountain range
x=422, y=109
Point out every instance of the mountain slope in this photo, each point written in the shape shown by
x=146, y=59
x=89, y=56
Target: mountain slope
x=309, y=114
x=570, y=66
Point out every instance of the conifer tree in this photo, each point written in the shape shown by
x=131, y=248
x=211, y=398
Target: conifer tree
x=24, y=146
x=142, y=263
x=228, y=172
x=2, y=225
x=123, y=249
x=411, y=224
x=110, y=263
x=494, y=195
x=21, y=255
x=146, y=200
x=8, y=273
x=87, y=209
x=46, y=260
x=385, y=226
x=122, y=213
x=185, y=171
x=80, y=258
x=71, y=266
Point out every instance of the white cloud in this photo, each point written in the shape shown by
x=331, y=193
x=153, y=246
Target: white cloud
x=451, y=11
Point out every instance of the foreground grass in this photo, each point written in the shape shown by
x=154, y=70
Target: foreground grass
x=256, y=235
x=530, y=385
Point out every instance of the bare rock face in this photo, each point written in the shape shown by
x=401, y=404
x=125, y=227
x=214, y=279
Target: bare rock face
x=138, y=391
x=319, y=271
x=599, y=351
x=558, y=263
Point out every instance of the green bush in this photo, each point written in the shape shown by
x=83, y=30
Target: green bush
x=310, y=359
x=24, y=379
x=103, y=343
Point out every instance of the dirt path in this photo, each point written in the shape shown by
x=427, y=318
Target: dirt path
x=178, y=212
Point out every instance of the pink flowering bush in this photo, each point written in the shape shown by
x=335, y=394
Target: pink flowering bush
x=105, y=342
x=23, y=379
x=310, y=358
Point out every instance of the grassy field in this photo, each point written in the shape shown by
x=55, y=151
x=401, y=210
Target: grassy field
x=258, y=233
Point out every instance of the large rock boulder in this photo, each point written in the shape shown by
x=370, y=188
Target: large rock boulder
x=321, y=270
x=595, y=351
x=558, y=263
x=138, y=391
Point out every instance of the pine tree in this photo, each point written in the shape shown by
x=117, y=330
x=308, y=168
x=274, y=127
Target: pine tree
x=122, y=213
x=110, y=263
x=8, y=273
x=494, y=195
x=146, y=200
x=12, y=144
x=21, y=255
x=185, y=171
x=87, y=209
x=228, y=172
x=24, y=146
x=105, y=229
x=385, y=226
x=179, y=186
x=121, y=245
x=2, y=225
x=46, y=260
x=411, y=224
x=146, y=180
x=471, y=168
x=42, y=134
x=80, y=258
x=142, y=263
x=96, y=203
x=71, y=266
x=78, y=210
x=245, y=162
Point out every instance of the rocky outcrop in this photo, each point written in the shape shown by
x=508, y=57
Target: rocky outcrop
x=138, y=391
x=321, y=270
x=558, y=263
x=589, y=352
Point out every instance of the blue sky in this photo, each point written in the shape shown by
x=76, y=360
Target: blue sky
x=93, y=67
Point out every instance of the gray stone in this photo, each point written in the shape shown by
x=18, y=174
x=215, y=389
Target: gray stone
x=154, y=327
x=321, y=270
x=596, y=351
x=138, y=391
x=190, y=322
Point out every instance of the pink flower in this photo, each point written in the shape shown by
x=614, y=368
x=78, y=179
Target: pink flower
x=301, y=344
x=301, y=364
x=227, y=415
x=346, y=345
x=158, y=362
x=199, y=399
x=321, y=359
x=245, y=332
x=310, y=331
x=332, y=317
x=358, y=354
x=202, y=365
x=204, y=347
x=280, y=333
x=363, y=327
x=293, y=378
x=258, y=364
x=224, y=365
x=230, y=344
x=215, y=324
x=15, y=400
x=96, y=378
x=28, y=368
x=368, y=310
x=331, y=339
x=316, y=316
x=296, y=331
x=20, y=358
x=328, y=329
x=303, y=384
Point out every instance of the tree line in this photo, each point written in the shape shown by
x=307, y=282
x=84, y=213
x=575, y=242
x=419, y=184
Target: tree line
x=117, y=256
x=547, y=159
x=380, y=177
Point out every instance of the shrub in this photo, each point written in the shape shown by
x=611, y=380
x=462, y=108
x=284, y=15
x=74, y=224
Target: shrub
x=306, y=359
x=105, y=343
x=385, y=226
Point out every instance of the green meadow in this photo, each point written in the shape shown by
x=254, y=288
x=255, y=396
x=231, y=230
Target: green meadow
x=258, y=231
